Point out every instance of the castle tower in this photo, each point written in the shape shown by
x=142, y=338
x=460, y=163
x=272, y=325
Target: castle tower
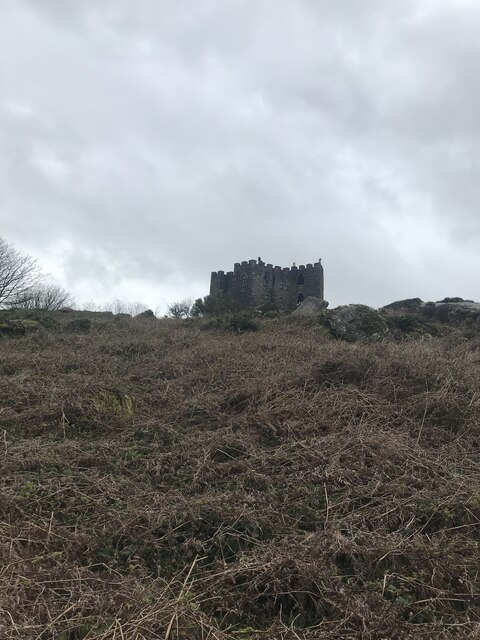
x=253, y=283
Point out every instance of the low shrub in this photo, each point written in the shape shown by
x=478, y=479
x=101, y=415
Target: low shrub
x=79, y=325
x=242, y=322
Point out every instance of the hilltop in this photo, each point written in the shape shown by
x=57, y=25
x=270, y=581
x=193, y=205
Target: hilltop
x=239, y=477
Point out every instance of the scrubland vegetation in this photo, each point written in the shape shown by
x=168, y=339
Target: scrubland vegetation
x=198, y=479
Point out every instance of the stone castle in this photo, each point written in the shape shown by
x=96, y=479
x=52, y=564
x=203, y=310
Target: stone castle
x=253, y=283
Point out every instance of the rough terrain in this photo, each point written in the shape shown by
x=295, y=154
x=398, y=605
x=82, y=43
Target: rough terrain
x=195, y=479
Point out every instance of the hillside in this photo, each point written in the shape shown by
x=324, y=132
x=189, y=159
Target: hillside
x=187, y=479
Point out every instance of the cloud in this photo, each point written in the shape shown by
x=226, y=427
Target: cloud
x=146, y=144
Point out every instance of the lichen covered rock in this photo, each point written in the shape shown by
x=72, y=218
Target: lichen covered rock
x=310, y=306
x=355, y=322
x=410, y=305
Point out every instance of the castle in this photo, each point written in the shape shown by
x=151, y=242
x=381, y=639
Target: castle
x=253, y=283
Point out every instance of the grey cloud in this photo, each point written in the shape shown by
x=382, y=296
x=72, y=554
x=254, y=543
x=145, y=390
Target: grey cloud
x=155, y=141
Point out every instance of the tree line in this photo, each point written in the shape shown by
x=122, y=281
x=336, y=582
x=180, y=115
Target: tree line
x=24, y=286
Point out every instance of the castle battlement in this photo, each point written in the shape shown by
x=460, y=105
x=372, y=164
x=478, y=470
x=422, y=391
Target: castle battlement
x=252, y=283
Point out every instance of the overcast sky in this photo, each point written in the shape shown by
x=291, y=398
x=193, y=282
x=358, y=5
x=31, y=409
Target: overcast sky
x=145, y=143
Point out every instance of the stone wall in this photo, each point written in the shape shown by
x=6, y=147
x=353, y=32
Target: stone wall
x=253, y=283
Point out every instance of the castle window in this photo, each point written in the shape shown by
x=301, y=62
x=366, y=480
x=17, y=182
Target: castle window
x=243, y=281
x=281, y=287
x=300, y=297
x=301, y=279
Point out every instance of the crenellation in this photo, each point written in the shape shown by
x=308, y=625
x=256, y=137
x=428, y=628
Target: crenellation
x=253, y=283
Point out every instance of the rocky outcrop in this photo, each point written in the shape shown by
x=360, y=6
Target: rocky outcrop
x=454, y=313
x=449, y=311
x=310, y=306
x=148, y=313
x=355, y=322
x=455, y=299
x=410, y=305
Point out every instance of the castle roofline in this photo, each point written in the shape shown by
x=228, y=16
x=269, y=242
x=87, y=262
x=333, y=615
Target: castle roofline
x=253, y=262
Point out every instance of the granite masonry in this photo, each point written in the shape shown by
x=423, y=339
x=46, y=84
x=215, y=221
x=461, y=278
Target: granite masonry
x=253, y=283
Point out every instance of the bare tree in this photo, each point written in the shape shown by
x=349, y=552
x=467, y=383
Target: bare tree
x=90, y=306
x=130, y=308
x=181, y=309
x=18, y=274
x=49, y=297
x=116, y=307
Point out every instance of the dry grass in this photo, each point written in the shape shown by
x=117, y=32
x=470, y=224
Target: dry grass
x=163, y=481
